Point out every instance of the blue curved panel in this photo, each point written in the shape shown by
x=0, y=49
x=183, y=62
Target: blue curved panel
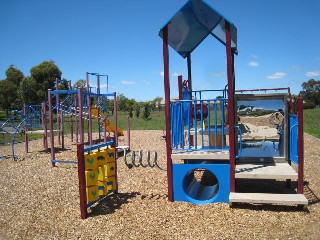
x=187, y=189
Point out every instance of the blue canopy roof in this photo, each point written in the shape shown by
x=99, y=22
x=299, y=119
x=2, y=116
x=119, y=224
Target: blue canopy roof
x=193, y=23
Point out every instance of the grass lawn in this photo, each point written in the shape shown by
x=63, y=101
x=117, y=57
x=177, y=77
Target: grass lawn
x=312, y=122
x=156, y=121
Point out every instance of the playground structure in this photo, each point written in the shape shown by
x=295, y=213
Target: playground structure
x=206, y=152
x=66, y=106
x=30, y=120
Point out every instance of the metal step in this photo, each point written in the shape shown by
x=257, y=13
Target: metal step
x=266, y=171
x=200, y=154
x=268, y=198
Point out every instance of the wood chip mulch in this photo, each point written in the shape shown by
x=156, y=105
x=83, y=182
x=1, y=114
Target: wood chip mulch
x=38, y=201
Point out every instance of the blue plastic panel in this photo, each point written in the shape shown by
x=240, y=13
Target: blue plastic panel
x=293, y=138
x=182, y=178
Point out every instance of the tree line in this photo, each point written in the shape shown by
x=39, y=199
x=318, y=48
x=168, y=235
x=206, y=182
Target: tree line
x=17, y=89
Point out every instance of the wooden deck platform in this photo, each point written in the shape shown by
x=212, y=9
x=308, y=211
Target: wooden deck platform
x=268, y=198
x=266, y=171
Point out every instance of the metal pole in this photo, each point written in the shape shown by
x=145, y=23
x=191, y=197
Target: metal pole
x=300, y=146
x=180, y=87
x=44, y=126
x=128, y=132
x=62, y=127
x=57, y=109
x=26, y=143
x=81, y=128
x=51, y=128
x=82, y=183
x=89, y=111
x=231, y=114
x=189, y=72
x=167, y=110
x=76, y=118
x=115, y=116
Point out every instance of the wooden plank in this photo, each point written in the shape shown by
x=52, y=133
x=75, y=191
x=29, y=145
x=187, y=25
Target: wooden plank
x=268, y=198
x=265, y=171
x=199, y=154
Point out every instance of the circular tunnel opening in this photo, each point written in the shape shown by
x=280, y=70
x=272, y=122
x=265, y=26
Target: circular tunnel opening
x=200, y=184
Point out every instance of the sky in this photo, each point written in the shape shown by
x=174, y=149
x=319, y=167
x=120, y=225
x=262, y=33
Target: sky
x=278, y=43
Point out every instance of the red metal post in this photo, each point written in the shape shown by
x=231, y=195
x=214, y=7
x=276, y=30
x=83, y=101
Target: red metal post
x=128, y=132
x=231, y=113
x=26, y=143
x=89, y=111
x=180, y=86
x=51, y=128
x=71, y=126
x=62, y=127
x=167, y=110
x=300, y=146
x=44, y=127
x=115, y=116
x=81, y=127
x=57, y=109
x=82, y=182
x=98, y=108
x=189, y=72
x=76, y=110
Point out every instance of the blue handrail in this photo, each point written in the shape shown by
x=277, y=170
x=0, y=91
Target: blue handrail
x=240, y=145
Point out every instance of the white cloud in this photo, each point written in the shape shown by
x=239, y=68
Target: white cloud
x=313, y=74
x=146, y=82
x=253, y=64
x=220, y=74
x=175, y=74
x=254, y=56
x=127, y=82
x=277, y=75
x=294, y=67
x=162, y=74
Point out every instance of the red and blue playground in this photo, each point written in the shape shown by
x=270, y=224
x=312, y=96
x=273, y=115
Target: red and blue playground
x=208, y=152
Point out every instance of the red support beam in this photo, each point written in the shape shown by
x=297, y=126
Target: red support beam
x=115, y=119
x=26, y=142
x=180, y=86
x=57, y=109
x=51, y=128
x=128, y=132
x=167, y=110
x=189, y=72
x=89, y=111
x=82, y=182
x=44, y=126
x=231, y=111
x=81, y=122
x=300, y=146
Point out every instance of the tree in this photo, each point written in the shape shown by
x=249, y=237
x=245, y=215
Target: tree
x=156, y=103
x=14, y=75
x=121, y=102
x=130, y=112
x=28, y=91
x=80, y=83
x=8, y=95
x=146, y=112
x=45, y=74
x=137, y=109
x=311, y=92
x=63, y=84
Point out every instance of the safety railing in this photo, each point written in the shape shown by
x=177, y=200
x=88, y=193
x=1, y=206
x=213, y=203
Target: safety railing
x=199, y=124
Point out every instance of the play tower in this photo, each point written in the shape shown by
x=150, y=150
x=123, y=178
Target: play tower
x=207, y=151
